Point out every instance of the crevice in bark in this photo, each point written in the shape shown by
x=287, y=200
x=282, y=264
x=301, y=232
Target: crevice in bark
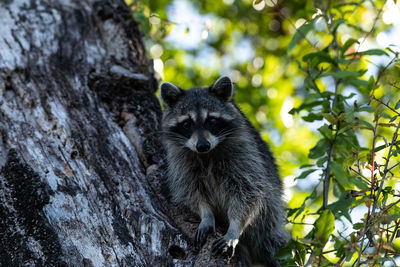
x=23, y=197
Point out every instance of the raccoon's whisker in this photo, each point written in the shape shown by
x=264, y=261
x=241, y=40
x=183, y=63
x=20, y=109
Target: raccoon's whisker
x=162, y=131
x=225, y=132
x=177, y=138
x=226, y=135
x=167, y=132
x=170, y=133
x=178, y=141
x=228, y=130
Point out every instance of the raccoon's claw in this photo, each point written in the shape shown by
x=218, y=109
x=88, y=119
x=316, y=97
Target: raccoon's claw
x=202, y=233
x=224, y=246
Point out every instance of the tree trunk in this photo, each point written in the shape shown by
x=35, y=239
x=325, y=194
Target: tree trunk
x=79, y=149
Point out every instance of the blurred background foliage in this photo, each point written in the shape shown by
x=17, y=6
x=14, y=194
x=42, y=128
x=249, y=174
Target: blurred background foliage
x=320, y=81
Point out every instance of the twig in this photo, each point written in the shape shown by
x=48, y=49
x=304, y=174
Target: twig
x=297, y=29
x=327, y=170
x=367, y=245
x=359, y=173
x=394, y=85
x=386, y=166
x=371, y=193
x=327, y=178
x=395, y=230
x=381, y=71
x=379, y=148
x=386, y=105
x=339, y=263
x=394, y=166
x=379, y=191
x=367, y=35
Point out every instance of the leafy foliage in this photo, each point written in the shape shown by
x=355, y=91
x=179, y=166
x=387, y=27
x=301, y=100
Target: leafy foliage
x=327, y=103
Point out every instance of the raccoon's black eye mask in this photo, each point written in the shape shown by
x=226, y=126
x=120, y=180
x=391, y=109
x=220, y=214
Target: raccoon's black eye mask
x=212, y=120
x=218, y=126
x=184, y=128
x=187, y=124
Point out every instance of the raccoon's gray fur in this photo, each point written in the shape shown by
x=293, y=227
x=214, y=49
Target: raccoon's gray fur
x=219, y=167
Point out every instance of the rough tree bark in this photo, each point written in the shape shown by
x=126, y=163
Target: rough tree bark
x=79, y=151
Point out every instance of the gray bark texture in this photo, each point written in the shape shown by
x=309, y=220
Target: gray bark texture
x=80, y=157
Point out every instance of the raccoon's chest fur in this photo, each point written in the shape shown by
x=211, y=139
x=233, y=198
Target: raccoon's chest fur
x=209, y=181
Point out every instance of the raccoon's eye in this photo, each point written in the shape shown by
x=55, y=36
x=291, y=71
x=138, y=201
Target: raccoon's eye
x=187, y=124
x=212, y=121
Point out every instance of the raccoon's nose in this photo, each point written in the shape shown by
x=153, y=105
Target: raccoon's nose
x=203, y=146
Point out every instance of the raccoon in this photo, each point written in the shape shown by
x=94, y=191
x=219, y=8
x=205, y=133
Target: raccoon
x=219, y=167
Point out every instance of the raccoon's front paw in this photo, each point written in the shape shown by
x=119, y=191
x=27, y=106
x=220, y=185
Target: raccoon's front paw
x=202, y=233
x=225, y=245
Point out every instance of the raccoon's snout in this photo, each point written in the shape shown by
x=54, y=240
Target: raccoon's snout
x=201, y=142
x=203, y=146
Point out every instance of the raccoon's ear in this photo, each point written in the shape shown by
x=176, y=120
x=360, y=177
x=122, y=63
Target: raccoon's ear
x=222, y=88
x=170, y=94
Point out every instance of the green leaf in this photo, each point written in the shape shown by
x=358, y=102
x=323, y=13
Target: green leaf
x=387, y=125
x=386, y=116
x=369, y=125
x=317, y=58
x=299, y=65
x=347, y=45
x=379, y=148
x=370, y=52
x=359, y=83
x=344, y=129
x=306, y=106
x=294, y=253
x=371, y=84
x=337, y=23
x=346, y=61
x=388, y=219
x=397, y=105
x=358, y=226
x=290, y=212
x=321, y=162
x=324, y=226
x=300, y=254
x=319, y=149
x=385, y=259
x=349, y=96
x=300, y=34
x=312, y=117
x=329, y=117
x=366, y=109
x=340, y=174
x=304, y=174
x=360, y=183
x=342, y=206
x=325, y=131
x=306, y=166
x=309, y=83
x=395, y=210
x=343, y=74
x=301, y=209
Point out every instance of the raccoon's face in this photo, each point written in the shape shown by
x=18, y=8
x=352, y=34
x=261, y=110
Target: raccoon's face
x=199, y=118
